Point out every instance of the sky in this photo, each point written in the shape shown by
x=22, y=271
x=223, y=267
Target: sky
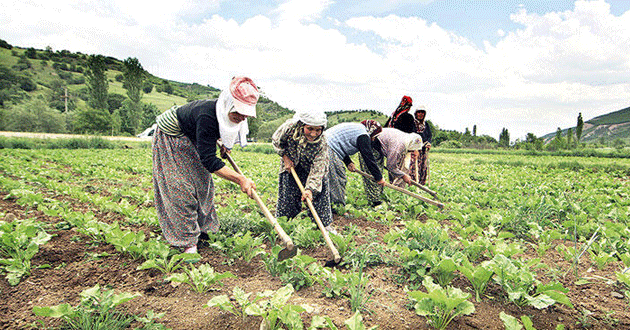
x=529, y=66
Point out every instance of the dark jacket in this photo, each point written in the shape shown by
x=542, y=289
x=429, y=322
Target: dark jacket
x=198, y=121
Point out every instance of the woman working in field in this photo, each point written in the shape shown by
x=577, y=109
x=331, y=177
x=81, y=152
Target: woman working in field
x=395, y=145
x=345, y=140
x=184, y=156
x=301, y=144
x=419, y=169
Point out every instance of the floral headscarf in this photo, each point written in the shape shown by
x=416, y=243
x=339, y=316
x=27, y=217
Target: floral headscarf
x=373, y=127
x=413, y=141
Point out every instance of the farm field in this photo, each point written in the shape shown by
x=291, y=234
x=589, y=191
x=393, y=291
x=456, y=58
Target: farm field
x=542, y=239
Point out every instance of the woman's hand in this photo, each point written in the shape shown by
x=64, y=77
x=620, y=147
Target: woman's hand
x=224, y=151
x=288, y=163
x=381, y=182
x=351, y=167
x=406, y=178
x=247, y=186
x=307, y=195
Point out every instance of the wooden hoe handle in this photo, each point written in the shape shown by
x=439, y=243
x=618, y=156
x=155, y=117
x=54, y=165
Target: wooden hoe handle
x=329, y=242
x=283, y=235
x=405, y=191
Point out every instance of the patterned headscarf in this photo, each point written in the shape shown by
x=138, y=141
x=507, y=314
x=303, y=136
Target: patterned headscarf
x=373, y=127
x=404, y=106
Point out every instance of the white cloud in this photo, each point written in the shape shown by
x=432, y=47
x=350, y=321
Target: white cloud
x=533, y=79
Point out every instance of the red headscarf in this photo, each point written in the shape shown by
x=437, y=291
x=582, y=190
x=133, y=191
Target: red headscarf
x=404, y=106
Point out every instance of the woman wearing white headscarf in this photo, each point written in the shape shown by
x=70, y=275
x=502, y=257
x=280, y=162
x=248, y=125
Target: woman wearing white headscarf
x=395, y=145
x=185, y=154
x=301, y=144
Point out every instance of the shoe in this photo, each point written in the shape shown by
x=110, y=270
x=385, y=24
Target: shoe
x=204, y=236
x=331, y=230
x=191, y=249
x=377, y=203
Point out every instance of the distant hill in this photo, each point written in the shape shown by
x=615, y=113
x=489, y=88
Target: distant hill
x=609, y=127
x=29, y=73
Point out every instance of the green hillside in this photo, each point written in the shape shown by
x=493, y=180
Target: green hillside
x=34, y=82
x=616, y=117
x=613, y=127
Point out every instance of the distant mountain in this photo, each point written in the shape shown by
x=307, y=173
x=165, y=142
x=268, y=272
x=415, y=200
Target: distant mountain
x=609, y=127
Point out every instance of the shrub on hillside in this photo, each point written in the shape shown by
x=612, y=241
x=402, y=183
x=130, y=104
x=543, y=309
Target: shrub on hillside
x=34, y=116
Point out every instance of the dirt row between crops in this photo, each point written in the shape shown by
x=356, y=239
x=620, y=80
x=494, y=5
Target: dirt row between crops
x=77, y=263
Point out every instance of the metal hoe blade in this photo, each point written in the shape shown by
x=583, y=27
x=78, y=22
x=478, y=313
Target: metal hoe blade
x=285, y=253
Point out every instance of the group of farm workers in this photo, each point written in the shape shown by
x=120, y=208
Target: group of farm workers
x=185, y=156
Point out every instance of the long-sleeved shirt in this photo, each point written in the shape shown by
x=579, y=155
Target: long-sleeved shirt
x=393, y=146
x=346, y=139
x=424, y=130
x=198, y=122
x=312, y=157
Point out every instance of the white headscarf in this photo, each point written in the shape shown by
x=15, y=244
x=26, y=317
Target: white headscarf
x=230, y=132
x=311, y=118
x=413, y=141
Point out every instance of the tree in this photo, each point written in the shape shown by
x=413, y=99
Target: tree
x=90, y=120
x=31, y=53
x=97, y=81
x=149, y=113
x=474, y=130
x=129, y=116
x=133, y=77
x=147, y=87
x=115, y=101
x=578, y=128
x=558, y=141
x=34, y=116
x=504, y=138
x=569, y=138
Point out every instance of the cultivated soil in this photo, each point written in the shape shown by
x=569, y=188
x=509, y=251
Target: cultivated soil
x=75, y=266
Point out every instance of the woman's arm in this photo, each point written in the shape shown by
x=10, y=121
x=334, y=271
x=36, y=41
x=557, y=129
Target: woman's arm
x=247, y=185
x=318, y=169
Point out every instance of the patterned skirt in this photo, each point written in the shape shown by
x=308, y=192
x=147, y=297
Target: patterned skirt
x=337, y=179
x=419, y=170
x=184, y=191
x=290, y=197
x=373, y=190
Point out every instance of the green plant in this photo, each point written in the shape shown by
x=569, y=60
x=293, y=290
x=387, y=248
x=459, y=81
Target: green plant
x=372, y=254
x=201, y=279
x=299, y=271
x=166, y=264
x=95, y=311
x=275, y=311
x=271, y=306
x=356, y=322
x=443, y=268
x=236, y=306
x=512, y=323
x=602, y=258
x=521, y=286
x=148, y=321
x=479, y=276
x=439, y=305
x=19, y=242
